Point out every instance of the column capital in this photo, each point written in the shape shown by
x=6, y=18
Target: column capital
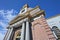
x=9, y=27
x=28, y=20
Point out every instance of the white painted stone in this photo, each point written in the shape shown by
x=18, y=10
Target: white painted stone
x=55, y=35
x=10, y=33
x=27, y=37
x=18, y=23
x=54, y=21
x=6, y=36
x=37, y=18
x=23, y=31
x=34, y=11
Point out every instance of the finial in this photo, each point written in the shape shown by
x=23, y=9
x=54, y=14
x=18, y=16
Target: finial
x=26, y=5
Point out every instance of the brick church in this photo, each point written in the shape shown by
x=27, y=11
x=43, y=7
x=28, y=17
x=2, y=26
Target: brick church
x=29, y=24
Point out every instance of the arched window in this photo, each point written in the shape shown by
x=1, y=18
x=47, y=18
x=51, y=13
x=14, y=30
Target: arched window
x=18, y=36
x=54, y=27
x=22, y=10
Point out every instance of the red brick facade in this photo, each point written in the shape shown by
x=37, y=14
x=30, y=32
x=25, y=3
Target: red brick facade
x=41, y=30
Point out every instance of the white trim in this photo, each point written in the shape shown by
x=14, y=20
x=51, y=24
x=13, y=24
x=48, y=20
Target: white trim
x=55, y=35
x=18, y=23
x=37, y=18
x=6, y=36
x=22, y=32
x=9, y=33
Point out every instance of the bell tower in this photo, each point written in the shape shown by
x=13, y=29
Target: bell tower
x=29, y=24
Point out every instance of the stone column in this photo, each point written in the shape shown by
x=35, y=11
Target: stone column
x=27, y=37
x=22, y=32
x=9, y=33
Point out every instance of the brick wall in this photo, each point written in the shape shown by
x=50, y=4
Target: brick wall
x=41, y=30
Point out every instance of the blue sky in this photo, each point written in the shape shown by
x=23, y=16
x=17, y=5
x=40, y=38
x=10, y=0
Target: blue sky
x=10, y=8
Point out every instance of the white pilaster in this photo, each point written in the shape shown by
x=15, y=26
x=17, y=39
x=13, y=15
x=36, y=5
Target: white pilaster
x=27, y=31
x=22, y=32
x=9, y=33
x=55, y=35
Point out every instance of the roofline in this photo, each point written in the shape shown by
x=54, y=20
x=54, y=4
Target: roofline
x=53, y=17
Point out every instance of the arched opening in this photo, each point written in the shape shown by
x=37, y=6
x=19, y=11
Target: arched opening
x=18, y=36
x=54, y=27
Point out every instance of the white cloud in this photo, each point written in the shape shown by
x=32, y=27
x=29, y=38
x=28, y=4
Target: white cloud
x=1, y=36
x=5, y=17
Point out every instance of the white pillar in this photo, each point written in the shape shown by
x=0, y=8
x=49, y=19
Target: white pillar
x=9, y=33
x=27, y=31
x=22, y=32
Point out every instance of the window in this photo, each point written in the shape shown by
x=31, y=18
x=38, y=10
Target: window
x=22, y=10
x=18, y=36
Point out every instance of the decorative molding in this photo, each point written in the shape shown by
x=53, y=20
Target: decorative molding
x=18, y=23
x=37, y=18
x=22, y=15
x=25, y=16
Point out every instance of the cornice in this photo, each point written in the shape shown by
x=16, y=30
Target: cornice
x=53, y=16
x=27, y=14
